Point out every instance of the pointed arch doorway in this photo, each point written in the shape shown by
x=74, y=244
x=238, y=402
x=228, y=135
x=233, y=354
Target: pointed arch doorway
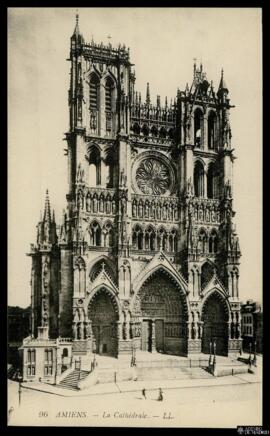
x=104, y=315
x=160, y=315
x=215, y=328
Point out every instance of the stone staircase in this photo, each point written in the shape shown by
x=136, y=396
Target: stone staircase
x=170, y=373
x=71, y=380
x=13, y=373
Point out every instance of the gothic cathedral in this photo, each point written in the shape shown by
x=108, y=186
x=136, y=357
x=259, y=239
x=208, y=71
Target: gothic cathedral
x=147, y=255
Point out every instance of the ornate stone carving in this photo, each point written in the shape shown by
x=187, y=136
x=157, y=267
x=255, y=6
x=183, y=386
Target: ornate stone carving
x=153, y=177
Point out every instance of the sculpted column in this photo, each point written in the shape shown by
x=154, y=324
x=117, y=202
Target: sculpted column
x=153, y=336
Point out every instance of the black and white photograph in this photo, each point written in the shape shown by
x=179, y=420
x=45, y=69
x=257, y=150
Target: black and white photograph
x=135, y=217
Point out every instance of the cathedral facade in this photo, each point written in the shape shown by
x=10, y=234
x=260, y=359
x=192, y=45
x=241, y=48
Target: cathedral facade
x=147, y=255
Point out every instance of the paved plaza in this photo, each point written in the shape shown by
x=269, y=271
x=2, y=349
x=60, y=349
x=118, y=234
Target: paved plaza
x=220, y=402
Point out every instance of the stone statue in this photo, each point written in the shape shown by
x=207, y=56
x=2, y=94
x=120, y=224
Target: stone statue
x=80, y=174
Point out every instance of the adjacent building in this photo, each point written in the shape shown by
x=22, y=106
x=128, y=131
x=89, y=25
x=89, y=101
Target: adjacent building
x=18, y=328
x=147, y=255
x=252, y=326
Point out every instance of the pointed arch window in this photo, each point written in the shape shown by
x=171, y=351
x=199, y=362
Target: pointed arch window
x=137, y=238
x=150, y=239
x=109, y=167
x=94, y=167
x=211, y=130
x=212, y=181
x=198, y=127
x=213, y=241
x=136, y=129
x=108, y=94
x=94, y=92
x=108, y=235
x=154, y=131
x=95, y=234
x=199, y=179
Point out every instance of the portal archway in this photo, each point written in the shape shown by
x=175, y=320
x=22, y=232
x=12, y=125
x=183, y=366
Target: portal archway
x=160, y=315
x=215, y=317
x=103, y=314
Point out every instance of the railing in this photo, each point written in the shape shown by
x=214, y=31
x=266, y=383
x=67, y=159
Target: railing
x=36, y=341
x=171, y=363
x=100, y=50
x=141, y=138
x=65, y=340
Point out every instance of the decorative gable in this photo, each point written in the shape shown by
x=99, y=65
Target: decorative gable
x=160, y=260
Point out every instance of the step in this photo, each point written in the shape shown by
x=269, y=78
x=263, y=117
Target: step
x=71, y=381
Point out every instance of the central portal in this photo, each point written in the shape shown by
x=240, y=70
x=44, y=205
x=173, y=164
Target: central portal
x=160, y=316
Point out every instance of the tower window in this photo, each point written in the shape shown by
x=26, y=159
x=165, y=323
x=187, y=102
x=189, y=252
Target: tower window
x=108, y=95
x=213, y=242
x=94, y=93
x=94, y=167
x=95, y=233
x=198, y=123
x=211, y=130
x=199, y=180
x=137, y=238
x=212, y=182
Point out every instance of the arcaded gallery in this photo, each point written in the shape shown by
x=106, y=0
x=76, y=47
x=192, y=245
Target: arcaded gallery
x=147, y=254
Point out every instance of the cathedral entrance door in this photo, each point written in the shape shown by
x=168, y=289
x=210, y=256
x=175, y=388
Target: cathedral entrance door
x=102, y=312
x=159, y=330
x=215, y=327
x=161, y=305
x=146, y=335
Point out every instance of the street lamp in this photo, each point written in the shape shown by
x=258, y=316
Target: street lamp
x=249, y=359
x=20, y=388
x=255, y=357
x=56, y=364
x=80, y=364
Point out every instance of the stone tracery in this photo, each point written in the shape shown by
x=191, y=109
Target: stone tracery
x=152, y=177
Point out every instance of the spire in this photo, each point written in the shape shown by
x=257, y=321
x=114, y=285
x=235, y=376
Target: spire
x=194, y=67
x=77, y=36
x=158, y=100
x=47, y=209
x=147, y=94
x=77, y=30
x=222, y=84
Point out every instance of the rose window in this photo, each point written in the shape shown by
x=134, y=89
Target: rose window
x=153, y=177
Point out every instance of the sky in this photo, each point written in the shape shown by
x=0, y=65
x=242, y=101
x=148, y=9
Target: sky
x=163, y=45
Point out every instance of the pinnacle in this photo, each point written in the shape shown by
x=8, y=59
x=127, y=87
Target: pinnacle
x=222, y=84
x=147, y=94
x=47, y=208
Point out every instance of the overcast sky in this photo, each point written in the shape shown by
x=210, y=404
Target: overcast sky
x=163, y=43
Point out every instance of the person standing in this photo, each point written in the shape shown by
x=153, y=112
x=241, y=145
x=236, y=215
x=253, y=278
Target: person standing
x=160, y=396
x=144, y=393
